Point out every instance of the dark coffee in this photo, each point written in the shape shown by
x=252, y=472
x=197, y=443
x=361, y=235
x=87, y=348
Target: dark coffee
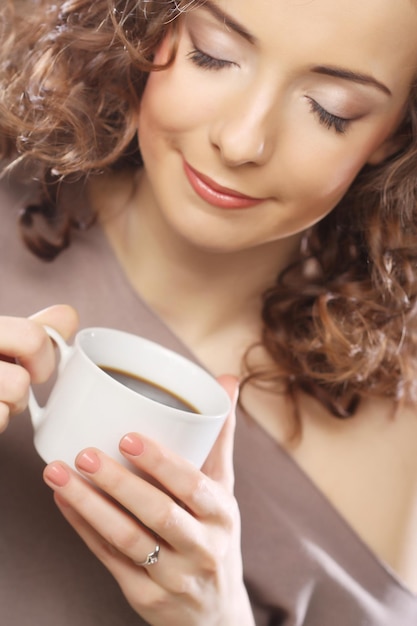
x=149, y=389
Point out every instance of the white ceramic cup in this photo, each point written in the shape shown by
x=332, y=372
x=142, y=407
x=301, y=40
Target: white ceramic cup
x=87, y=407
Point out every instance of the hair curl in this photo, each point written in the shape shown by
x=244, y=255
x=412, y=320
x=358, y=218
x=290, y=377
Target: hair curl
x=72, y=76
x=341, y=322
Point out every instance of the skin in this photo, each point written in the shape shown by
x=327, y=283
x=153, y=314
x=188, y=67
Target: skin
x=253, y=126
x=250, y=125
x=25, y=340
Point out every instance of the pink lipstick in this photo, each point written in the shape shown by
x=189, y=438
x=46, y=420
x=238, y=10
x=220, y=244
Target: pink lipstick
x=218, y=196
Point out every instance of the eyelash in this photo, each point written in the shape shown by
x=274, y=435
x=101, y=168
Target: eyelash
x=207, y=62
x=328, y=120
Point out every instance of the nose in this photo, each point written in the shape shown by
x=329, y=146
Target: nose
x=244, y=131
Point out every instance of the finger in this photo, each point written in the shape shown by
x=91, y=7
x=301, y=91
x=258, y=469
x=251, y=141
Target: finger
x=4, y=416
x=203, y=497
x=183, y=540
x=103, y=549
x=14, y=386
x=219, y=463
x=115, y=526
x=155, y=508
x=62, y=317
x=135, y=582
x=25, y=340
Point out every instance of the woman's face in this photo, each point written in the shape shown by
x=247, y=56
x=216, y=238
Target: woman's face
x=270, y=110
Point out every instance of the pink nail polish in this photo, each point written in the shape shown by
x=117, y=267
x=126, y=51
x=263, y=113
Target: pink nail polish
x=132, y=444
x=88, y=461
x=56, y=474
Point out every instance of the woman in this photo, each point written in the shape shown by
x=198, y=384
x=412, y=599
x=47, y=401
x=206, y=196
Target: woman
x=267, y=231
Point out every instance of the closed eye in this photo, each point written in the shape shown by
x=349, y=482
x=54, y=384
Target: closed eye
x=328, y=120
x=201, y=59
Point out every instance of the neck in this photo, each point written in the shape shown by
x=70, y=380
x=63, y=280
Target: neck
x=197, y=292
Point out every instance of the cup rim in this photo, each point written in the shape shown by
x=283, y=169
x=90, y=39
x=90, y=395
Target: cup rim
x=93, y=331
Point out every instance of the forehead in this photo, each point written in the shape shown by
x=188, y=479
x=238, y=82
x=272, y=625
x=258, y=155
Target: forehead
x=373, y=36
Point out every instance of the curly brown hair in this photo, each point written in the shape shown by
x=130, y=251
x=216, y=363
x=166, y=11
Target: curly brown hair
x=72, y=75
x=341, y=322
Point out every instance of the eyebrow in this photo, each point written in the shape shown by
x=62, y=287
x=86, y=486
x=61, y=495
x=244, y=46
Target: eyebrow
x=336, y=72
x=227, y=20
x=355, y=77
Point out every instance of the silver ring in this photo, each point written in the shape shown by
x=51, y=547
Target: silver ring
x=151, y=559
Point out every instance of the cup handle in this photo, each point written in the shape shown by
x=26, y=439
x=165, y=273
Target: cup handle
x=35, y=410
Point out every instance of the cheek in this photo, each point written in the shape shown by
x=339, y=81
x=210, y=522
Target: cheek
x=157, y=117
x=157, y=105
x=336, y=179
x=324, y=176
x=171, y=102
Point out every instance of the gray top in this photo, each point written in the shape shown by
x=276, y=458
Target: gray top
x=303, y=564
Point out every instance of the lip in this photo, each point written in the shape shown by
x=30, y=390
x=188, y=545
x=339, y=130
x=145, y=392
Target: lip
x=215, y=194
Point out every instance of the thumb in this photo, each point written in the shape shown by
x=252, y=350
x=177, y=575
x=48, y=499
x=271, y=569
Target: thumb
x=219, y=463
x=61, y=317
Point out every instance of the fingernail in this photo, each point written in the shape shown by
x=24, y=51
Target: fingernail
x=56, y=474
x=88, y=461
x=132, y=444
